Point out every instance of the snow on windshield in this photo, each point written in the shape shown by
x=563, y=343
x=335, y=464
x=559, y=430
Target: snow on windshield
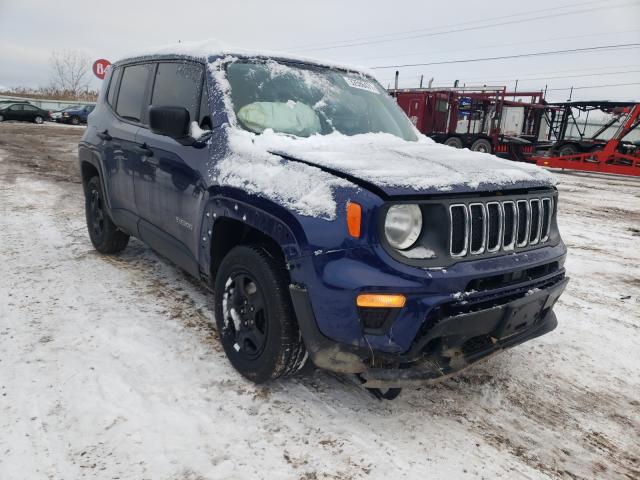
x=305, y=100
x=304, y=189
x=254, y=164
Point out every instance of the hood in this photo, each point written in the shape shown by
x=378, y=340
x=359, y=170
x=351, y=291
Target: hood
x=398, y=167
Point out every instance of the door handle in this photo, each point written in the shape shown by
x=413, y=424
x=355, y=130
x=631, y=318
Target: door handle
x=105, y=136
x=144, y=151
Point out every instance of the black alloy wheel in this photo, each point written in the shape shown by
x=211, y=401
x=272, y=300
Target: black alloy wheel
x=96, y=210
x=104, y=234
x=245, y=314
x=254, y=314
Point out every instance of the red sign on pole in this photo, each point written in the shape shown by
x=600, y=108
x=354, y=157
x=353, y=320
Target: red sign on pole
x=100, y=68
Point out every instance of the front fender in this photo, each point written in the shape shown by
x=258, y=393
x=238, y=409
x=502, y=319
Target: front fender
x=257, y=212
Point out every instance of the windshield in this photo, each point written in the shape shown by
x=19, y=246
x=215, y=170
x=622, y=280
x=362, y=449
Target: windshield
x=305, y=100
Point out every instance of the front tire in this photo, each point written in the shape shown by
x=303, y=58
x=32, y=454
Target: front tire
x=255, y=319
x=75, y=121
x=1, y=118
x=104, y=234
x=39, y=120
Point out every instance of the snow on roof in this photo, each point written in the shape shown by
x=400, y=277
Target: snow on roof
x=206, y=49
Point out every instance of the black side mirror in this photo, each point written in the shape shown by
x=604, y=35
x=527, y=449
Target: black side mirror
x=170, y=121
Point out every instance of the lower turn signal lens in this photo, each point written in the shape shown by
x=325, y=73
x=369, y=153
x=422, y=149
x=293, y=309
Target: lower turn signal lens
x=380, y=300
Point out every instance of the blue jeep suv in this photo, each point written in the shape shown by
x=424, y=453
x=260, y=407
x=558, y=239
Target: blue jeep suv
x=326, y=226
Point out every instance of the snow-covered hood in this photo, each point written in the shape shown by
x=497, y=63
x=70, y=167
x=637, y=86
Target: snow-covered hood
x=398, y=167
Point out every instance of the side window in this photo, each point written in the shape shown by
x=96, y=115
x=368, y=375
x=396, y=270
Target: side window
x=178, y=84
x=113, y=86
x=16, y=108
x=205, y=117
x=132, y=92
x=29, y=108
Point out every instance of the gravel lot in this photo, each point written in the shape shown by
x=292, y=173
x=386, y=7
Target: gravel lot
x=110, y=367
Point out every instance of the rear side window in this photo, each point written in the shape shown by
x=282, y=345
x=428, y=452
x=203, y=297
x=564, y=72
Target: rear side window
x=113, y=86
x=132, y=92
x=178, y=85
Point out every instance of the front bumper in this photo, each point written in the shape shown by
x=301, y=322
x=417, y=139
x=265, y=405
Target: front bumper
x=446, y=343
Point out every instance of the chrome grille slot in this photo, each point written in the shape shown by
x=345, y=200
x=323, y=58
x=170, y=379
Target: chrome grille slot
x=459, y=230
x=523, y=223
x=536, y=223
x=510, y=225
x=547, y=212
x=494, y=226
x=478, y=230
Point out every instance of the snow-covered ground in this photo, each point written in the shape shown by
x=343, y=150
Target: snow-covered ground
x=110, y=368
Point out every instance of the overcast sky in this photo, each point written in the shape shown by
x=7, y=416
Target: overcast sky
x=385, y=33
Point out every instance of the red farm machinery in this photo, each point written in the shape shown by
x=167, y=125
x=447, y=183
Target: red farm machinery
x=484, y=119
x=574, y=143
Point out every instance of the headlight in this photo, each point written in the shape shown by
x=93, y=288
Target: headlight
x=402, y=225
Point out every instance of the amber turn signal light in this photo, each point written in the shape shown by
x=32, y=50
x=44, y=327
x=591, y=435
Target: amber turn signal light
x=380, y=300
x=354, y=219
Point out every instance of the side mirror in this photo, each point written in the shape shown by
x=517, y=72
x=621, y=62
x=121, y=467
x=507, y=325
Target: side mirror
x=169, y=121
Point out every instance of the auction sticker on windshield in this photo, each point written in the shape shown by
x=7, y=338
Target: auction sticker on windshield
x=361, y=84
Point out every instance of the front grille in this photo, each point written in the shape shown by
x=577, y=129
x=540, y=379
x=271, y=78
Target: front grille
x=494, y=226
x=510, y=225
x=523, y=223
x=459, y=231
x=478, y=227
x=498, y=225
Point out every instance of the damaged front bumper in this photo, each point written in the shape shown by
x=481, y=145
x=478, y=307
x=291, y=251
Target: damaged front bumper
x=445, y=344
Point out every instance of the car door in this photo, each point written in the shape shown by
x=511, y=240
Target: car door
x=29, y=113
x=14, y=112
x=117, y=130
x=169, y=187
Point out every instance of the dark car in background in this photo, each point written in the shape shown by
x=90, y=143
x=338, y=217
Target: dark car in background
x=75, y=115
x=23, y=112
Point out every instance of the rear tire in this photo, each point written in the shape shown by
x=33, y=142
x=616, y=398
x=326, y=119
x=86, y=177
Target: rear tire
x=39, y=120
x=104, y=234
x=454, y=142
x=567, y=149
x=255, y=318
x=481, y=145
x=1, y=118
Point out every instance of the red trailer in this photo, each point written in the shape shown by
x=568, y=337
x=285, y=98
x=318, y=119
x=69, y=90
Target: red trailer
x=483, y=119
x=617, y=155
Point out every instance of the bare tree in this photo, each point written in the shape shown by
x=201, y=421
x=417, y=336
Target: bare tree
x=70, y=72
